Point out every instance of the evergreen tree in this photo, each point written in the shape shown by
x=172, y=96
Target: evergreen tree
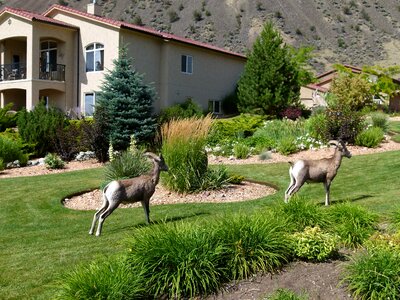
x=272, y=76
x=127, y=103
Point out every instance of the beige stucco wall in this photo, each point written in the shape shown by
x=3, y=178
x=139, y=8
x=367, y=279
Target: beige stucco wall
x=214, y=74
x=306, y=96
x=22, y=37
x=92, y=32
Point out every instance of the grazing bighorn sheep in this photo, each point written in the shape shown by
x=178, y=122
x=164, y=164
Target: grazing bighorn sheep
x=321, y=170
x=131, y=190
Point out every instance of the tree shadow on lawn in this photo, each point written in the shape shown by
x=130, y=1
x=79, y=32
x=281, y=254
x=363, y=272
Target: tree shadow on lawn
x=158, y=222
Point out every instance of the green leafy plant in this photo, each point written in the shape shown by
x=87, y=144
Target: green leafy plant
x=53, y=161
x=313, y=244
x=287, y=145
x=371, y=137
x=1, y=165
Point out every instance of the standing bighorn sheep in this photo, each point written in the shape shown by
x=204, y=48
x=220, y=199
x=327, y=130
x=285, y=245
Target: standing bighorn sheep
x=138, y=189
x=321, y=170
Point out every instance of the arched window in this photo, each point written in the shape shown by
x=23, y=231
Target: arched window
x=95, y=57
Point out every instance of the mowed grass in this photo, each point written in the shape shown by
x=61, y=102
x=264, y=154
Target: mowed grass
x=41, y=239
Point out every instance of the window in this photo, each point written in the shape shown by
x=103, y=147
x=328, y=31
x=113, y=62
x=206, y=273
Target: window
x=94, y=57
x=48, y=56
x=90, y=100
x=215, y=107
x=187, y=64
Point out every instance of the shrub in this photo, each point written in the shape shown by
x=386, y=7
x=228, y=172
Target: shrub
x=223, y=130
x=7, y=118
x=316, y=126
x=184, y=110
x=285, y=294
x=53, y=161
x=95, y=135
x=1, y=165
x=353, y=223
x=380, y=120
x=39, y=127
x=280, y=134
x=181, y=260
x=313, y=244
x=374, y=273
x=128, y=164
x=68, y=140
x=301, y=213
x=229, y=103
x=287, y=145
x=11, y=150
x=183, y=147
x=344, y=124
x=105, y=278
x=252, y=244
x=215, y=179
x=291, y=113
x=241, y=151
x=371, y=137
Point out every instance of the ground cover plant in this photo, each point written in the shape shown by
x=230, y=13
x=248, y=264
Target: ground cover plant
x=57, y=237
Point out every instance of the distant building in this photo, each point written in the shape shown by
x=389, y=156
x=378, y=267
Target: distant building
x=61, y=56
x=313, y=95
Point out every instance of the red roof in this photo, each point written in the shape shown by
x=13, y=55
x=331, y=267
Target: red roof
x=142, y=29
x=34, y=17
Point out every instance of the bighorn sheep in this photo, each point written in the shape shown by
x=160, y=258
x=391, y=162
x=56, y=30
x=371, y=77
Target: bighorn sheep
x=131, y=190
x=321, y=170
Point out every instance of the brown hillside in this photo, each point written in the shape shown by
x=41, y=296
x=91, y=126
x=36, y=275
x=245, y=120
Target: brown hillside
x=357, y=32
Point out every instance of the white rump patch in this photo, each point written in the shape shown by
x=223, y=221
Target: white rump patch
x=297, y=167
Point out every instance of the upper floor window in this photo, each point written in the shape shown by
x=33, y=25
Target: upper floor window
x=48, y=56
x=187, y=64
x=95, y=57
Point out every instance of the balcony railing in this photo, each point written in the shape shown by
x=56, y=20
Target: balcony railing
x=52, y=72
x=13, y=71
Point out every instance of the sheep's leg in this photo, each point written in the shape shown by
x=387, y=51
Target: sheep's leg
x=97, y=214
x=291, y=185
x=327, y=186
x=112, y=206
x=146, y=207
x=296, y=187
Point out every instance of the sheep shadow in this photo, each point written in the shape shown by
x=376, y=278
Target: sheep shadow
x=345, y=200
x=165, y=220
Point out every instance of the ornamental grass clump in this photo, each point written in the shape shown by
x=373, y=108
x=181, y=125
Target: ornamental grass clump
x=252, y=244
x=183, y=147
x=181, y=260
x=105, y=278
x=353, y=223
x=374, y=273
x=371, y=137
x=300, y=213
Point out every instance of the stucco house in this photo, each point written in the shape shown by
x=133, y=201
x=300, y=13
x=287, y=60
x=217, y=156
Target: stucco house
x=61, y=56
x=312, y=95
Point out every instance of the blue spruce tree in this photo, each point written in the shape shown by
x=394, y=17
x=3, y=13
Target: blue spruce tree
x=128, y=104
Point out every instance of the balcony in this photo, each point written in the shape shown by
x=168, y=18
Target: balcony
x=13, y=71
x=52, y=72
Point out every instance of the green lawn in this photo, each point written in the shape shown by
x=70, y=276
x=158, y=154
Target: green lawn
x=40, y=238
